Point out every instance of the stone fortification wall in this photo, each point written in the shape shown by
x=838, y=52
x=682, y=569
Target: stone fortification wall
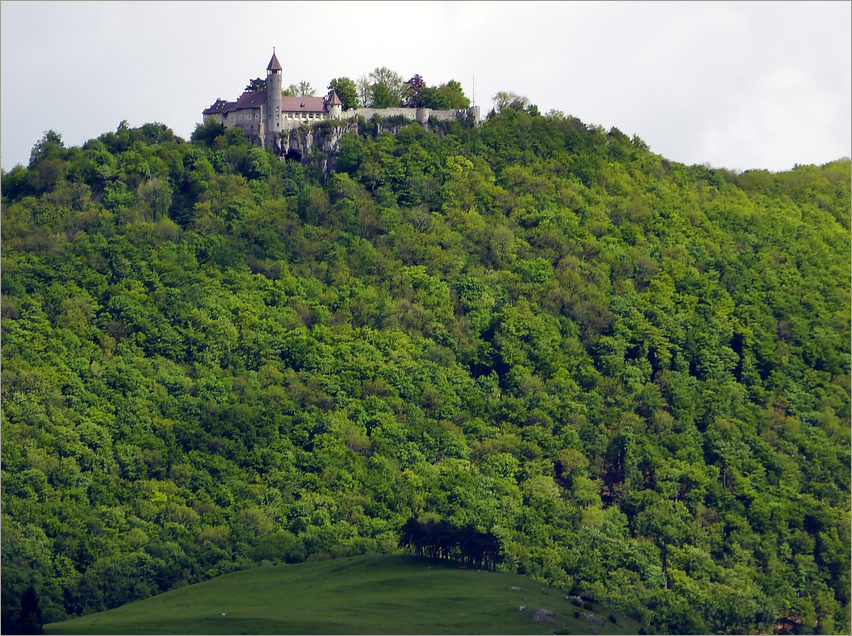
x=449, y=115
x=421, y=115
x=414, y=114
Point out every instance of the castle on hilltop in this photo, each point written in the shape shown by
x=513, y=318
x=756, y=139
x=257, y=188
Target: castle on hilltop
x=265, y=115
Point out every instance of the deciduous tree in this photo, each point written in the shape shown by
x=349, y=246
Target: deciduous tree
x=509, y=99
x=303, y=88
x=347, y=91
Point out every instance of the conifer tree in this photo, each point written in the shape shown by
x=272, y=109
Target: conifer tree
x=30, y=619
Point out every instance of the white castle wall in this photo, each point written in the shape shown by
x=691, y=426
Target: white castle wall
x=414, y=114
x=421, y=115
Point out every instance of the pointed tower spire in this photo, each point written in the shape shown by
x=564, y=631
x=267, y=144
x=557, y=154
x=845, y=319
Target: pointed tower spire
x=274, y=64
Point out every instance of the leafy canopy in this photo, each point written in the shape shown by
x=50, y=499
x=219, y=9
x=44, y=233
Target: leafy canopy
x=532, y=343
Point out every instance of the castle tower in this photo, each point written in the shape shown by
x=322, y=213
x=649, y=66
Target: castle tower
x=273, y=99
x=334, y=105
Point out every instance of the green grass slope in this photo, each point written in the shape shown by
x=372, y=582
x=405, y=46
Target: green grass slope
x=389, y=594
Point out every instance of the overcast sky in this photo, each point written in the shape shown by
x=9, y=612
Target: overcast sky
x=738, y=85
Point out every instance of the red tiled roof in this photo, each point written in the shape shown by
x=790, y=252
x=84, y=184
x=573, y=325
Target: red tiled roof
x=274, y=64
x=334, y=100
x=303, y=104
x=250, y=99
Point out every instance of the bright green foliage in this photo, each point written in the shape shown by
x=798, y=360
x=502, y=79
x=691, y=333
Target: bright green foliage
x=454, y=92
x=347, y=91
x=388, y=87
x=207, y=132
x=443, y=97
x=633, y=374
x=383, y=98
x=431, y=97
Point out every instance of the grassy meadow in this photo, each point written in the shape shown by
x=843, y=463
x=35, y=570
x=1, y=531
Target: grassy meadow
x=386, y=594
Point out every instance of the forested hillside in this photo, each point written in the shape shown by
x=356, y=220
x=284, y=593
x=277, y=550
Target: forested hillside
x=634, y=374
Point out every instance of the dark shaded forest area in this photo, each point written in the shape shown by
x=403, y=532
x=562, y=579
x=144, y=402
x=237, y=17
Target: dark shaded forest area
x=631, y=374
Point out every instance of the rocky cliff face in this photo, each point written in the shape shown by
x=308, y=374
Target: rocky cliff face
x=303, y=143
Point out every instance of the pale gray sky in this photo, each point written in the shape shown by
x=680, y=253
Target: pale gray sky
x=734, y=84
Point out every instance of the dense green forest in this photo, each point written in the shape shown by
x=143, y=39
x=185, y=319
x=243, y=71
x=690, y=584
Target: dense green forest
x=633, y=374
